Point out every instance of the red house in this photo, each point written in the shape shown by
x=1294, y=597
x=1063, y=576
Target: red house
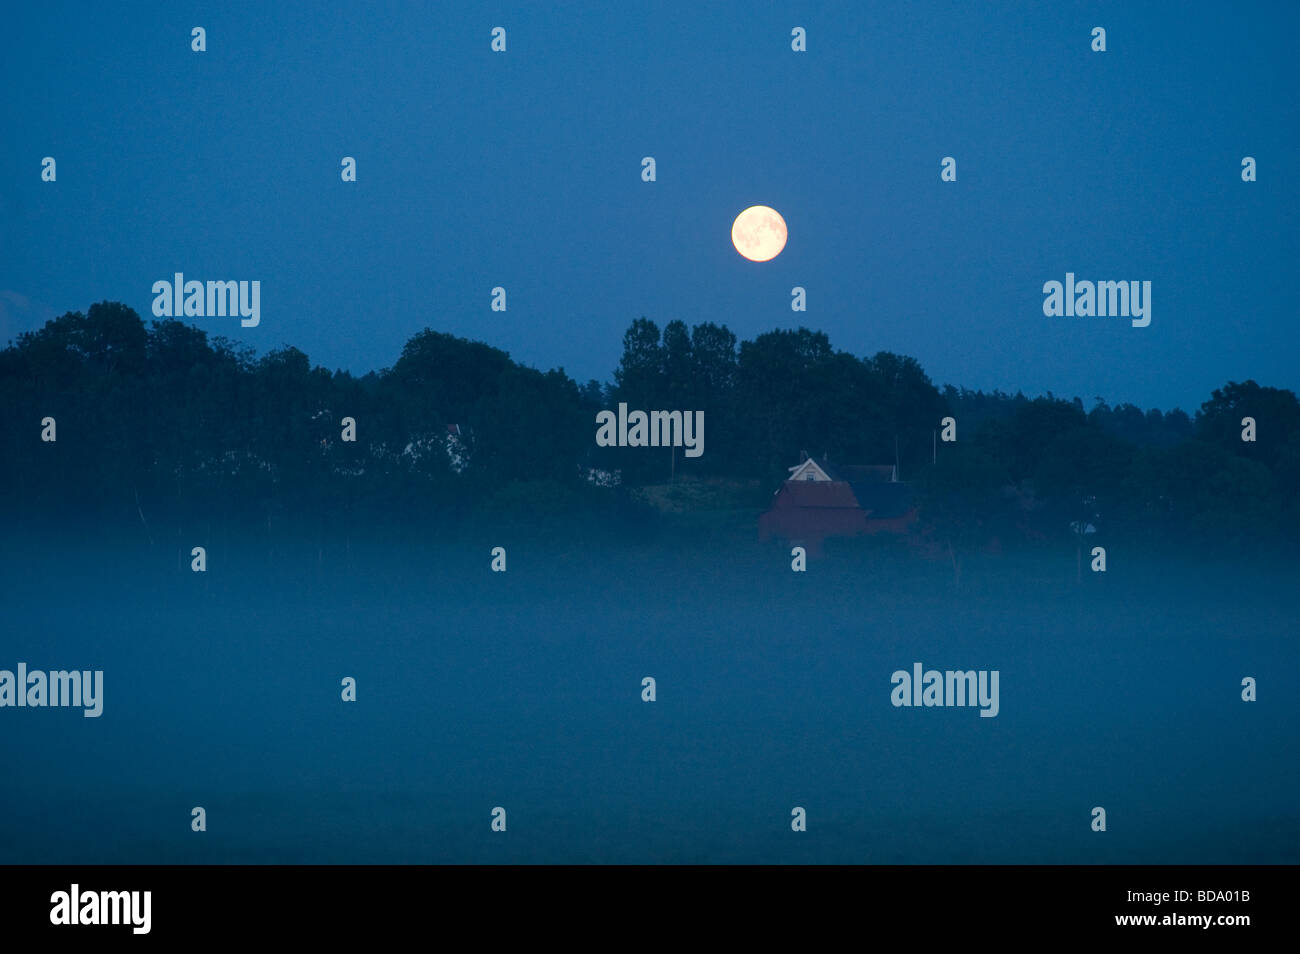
x=819, y=501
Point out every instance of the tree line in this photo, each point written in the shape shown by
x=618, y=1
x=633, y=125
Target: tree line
x=162, y=425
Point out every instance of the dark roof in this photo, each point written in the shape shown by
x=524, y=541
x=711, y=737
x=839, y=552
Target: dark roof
x=883, y=499
x=859, y=473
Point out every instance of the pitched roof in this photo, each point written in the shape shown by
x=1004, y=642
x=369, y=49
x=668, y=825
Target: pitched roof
x=808, y=469
x=874, y=488
x=833, y=494
x=867, y=473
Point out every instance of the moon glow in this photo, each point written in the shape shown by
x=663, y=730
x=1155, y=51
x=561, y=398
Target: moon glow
x=759, y=233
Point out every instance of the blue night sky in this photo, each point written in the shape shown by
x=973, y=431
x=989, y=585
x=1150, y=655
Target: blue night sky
x=522, y=169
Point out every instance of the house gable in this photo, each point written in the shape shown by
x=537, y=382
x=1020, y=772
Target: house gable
x=809, y=470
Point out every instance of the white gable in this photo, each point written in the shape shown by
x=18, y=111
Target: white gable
x=808, y=470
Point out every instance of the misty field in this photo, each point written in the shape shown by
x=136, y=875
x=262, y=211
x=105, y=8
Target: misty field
x=523, y=690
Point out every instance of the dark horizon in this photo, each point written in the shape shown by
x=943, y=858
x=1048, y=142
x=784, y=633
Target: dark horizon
x=163, y=422
x=215, y=333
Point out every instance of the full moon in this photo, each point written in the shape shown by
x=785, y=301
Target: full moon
x=758, y=233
